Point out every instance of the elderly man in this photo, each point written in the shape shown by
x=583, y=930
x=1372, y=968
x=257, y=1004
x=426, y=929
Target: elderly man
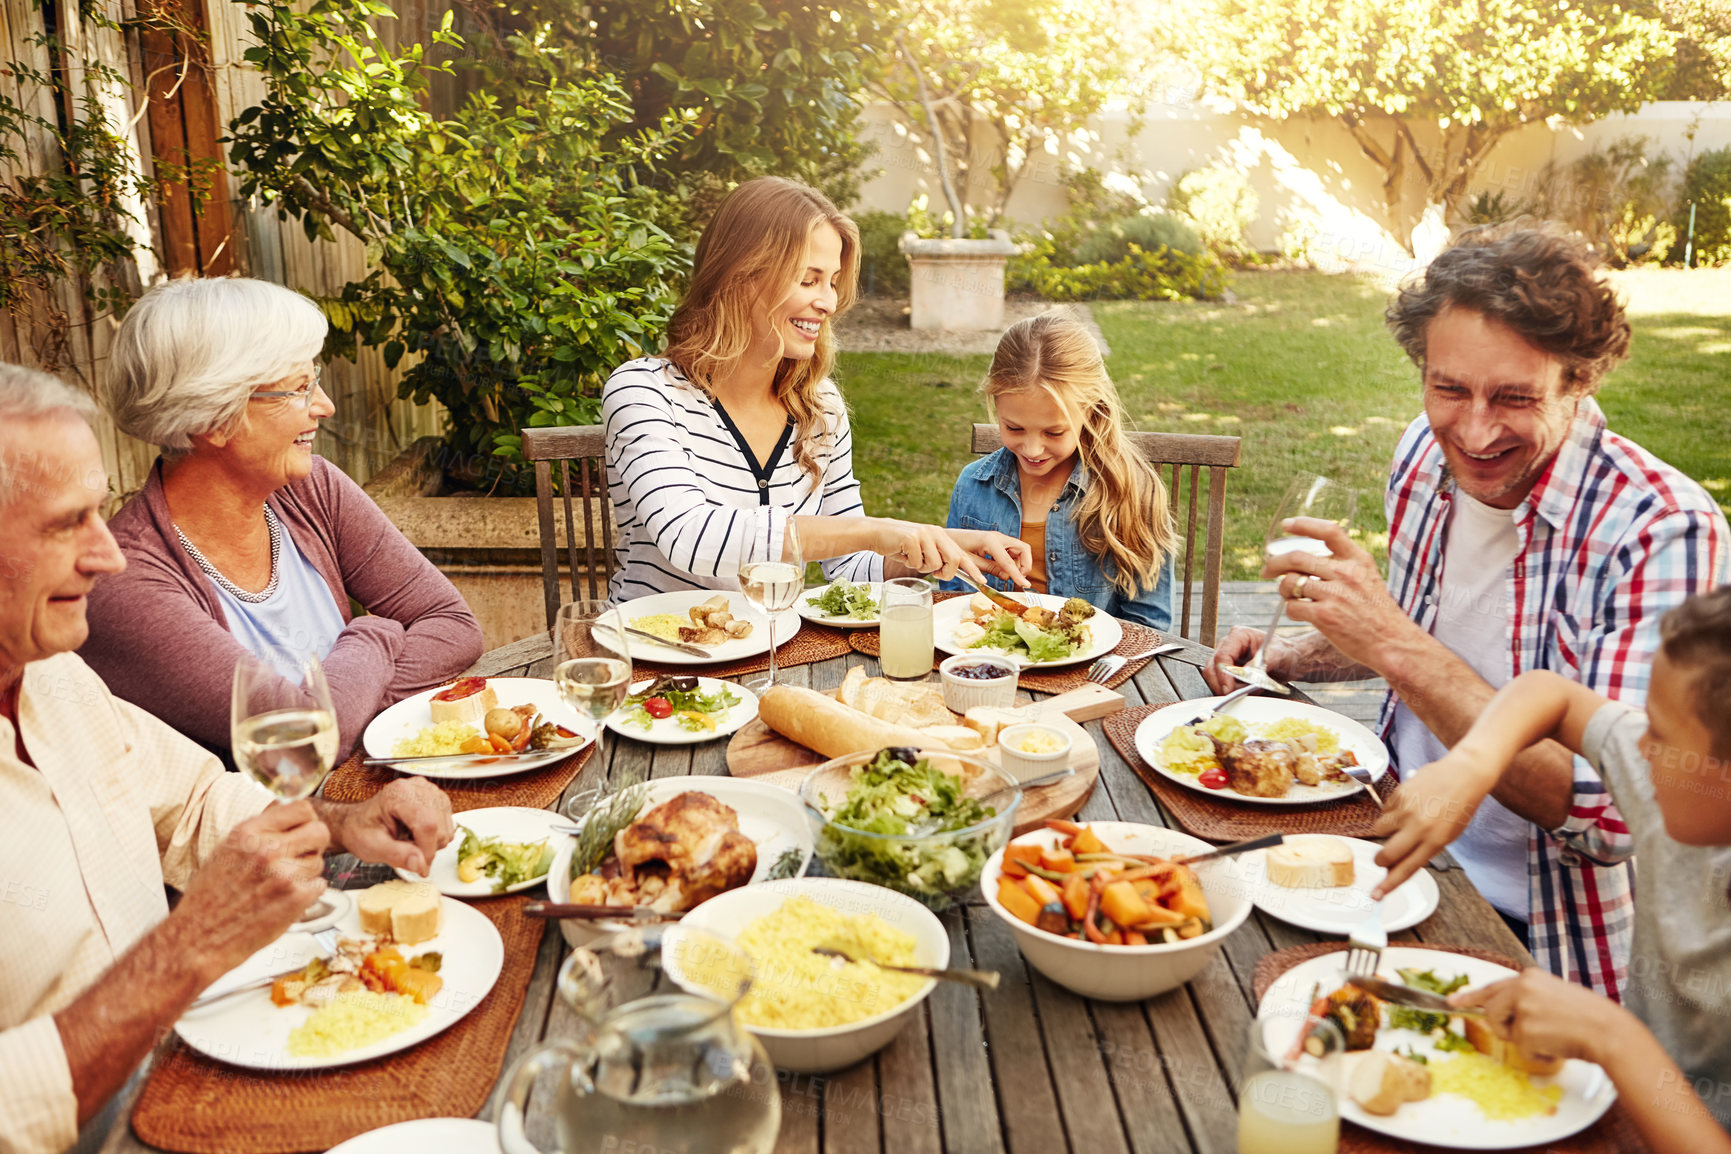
x=104, y=803
x=1523, y=534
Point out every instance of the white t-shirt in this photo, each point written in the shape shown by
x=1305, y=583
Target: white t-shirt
x=1474, y=620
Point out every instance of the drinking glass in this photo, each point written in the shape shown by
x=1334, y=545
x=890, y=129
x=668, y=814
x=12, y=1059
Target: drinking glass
x=1287, y=1101
x=672, y=1072
x=905, y=629
x=593, y=670
x=283, y=735
x=1307, y=496
x=771, y=575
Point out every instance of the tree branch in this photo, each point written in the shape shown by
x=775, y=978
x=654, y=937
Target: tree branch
x=317, y=199
x=959, y=228
x=1405, y=130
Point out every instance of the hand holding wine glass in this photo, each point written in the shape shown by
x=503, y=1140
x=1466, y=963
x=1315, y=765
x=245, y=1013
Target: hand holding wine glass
x=771, y=575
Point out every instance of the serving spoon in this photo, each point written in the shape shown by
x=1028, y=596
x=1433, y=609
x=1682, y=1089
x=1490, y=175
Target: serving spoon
x=979, y=979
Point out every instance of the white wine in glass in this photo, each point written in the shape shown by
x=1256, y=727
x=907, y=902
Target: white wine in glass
x=593, y=670
x=771, y=578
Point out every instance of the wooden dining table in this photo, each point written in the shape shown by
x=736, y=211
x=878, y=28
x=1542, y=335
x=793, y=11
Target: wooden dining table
x=1029, y=1068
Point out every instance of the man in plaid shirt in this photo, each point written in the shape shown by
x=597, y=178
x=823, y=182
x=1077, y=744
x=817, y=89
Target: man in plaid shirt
x=1523, y=534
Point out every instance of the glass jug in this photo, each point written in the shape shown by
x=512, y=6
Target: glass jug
x=668, y=1072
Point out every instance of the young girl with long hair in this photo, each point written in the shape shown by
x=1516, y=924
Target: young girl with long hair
x=739, y=412
x=1093, y=512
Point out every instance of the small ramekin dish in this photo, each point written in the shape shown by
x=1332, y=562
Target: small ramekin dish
x=1023, y=765
x=964, y=693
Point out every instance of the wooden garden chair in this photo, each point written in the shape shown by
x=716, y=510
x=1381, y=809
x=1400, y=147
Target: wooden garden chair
x=1180, y=453
x=579, y=450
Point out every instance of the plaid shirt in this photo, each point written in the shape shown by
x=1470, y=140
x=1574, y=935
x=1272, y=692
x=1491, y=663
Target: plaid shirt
x=1611, y=538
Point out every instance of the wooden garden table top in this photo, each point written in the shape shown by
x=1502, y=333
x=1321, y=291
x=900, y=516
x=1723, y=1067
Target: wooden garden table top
x=1030, y=1068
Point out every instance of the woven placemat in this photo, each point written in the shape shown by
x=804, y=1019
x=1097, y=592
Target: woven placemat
x=536, y=789
x=1219, y=817
x=811, y=644
x=197, y=1105
x=1136, y=639
x=1612, y=1133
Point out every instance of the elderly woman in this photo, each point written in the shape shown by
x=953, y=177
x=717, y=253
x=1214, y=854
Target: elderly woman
x=242, y=541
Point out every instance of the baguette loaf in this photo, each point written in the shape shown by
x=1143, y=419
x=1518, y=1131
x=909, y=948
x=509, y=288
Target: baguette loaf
x=820, y=722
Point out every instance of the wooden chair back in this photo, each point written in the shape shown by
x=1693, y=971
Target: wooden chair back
x=579, y=450
x=1181, y=457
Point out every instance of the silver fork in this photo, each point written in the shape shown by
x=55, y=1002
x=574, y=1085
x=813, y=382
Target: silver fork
x=327, y=940
x=1104, y=669
x=1365, y=944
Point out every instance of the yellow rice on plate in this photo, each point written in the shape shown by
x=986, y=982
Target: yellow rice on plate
x=663, y=625
x=354, y=1020
x=436, y=740
x=1186, y=750
x=796, y=989
x=1504, y=1094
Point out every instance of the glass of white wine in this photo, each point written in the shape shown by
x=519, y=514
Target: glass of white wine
x=1288, y=1099
x=283, y=735
x=771, y=575
x=1307, y=496
x=593, y=661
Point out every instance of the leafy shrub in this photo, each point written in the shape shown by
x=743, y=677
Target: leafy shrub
x=1222, y=206
x=1495, y=208
x=1141, y=274
x=1115, y=241
x=1707, y=185
x=1617, y=197
x=883, y=268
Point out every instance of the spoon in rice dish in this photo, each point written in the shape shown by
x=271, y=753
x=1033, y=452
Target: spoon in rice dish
x=979, y=979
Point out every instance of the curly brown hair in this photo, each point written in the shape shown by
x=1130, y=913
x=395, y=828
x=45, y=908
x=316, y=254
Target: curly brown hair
x=1696, y=636
x=1540, y=283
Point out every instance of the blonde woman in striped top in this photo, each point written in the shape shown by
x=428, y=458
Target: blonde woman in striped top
x=739, y=413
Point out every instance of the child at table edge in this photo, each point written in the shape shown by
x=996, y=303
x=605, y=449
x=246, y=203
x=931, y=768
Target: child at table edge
x=1066, y=482
x=1668, y=1049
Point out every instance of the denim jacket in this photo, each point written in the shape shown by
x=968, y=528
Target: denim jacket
x=988, y=495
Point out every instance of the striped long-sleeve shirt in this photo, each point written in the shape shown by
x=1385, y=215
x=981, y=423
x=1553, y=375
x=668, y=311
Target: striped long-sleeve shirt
x=682, y=480
x=1611, y=538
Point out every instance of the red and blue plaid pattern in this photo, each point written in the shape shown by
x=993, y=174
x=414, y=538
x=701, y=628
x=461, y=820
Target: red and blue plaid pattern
x=1611, y=538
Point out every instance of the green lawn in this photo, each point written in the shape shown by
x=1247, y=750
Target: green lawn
x=1301, y=368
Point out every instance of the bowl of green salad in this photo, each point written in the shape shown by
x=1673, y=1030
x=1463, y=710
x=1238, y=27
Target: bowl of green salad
x=918, y=821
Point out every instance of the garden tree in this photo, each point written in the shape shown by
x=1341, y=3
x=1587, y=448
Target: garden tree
x=767, y=86
x=1003, y=80
x=510, y=248
x=1703, y=61
x=1475, y=69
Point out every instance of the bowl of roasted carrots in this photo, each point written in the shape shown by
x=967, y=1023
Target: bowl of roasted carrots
x=1104, y=909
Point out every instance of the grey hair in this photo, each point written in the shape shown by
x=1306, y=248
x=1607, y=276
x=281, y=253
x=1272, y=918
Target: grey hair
x=192, y=350
x=26, y=394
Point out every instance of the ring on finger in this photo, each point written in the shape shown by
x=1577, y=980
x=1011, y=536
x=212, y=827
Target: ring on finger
x=1303, y=582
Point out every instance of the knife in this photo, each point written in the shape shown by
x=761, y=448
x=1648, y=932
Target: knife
x=1002, y=600
x=1234, y=848
x=1418, y=999
x=622, y=913
x=694, y=650
x=466, y=758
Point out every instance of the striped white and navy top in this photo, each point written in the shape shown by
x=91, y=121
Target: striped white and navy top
x=681, y=475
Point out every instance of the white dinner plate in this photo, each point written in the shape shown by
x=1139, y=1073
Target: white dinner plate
x=514, y=823
x=413, y=714
x=1104, y=632
x=679, y=604
x=812, y=613
x=250, y=1030
x=770, y=816
x=1442, y=1120
x=1254, y=711
x=669, y=731
x=1334, y=909
x=425, y=1136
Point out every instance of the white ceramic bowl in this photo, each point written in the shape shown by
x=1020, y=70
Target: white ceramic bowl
x=816, y=1051
x=964, y=693
x=1024, y=766
x=1126, y=973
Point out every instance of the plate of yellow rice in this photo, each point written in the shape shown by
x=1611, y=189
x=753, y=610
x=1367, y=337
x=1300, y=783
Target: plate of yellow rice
x=406, y=729
x=250, y=1030
x=815, y=1013
x=1475, y=1103
x=1174, y=740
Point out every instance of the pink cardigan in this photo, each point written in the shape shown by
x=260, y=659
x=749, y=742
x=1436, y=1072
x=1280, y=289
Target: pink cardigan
x=159, y=638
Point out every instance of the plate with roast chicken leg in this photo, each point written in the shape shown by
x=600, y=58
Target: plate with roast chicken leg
x=1266, y=750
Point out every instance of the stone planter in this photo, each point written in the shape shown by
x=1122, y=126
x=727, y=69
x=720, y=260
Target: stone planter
x=957, y=284
x=489, y=547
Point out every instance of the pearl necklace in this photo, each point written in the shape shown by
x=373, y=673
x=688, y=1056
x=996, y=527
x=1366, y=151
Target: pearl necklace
x=230, y=587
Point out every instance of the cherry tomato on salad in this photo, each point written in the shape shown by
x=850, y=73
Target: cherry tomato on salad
x=658, y=707
x=1213, y=778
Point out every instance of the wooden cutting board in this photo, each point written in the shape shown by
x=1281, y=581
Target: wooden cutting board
x=758, y=752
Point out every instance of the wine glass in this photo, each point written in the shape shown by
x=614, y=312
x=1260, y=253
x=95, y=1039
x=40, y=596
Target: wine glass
x=283, y=735
x=771, y=575
x=594, y=662
x=1307, y=496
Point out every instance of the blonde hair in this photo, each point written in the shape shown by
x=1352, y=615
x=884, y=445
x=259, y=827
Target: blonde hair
x=752, y=248
x=1125, y=516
